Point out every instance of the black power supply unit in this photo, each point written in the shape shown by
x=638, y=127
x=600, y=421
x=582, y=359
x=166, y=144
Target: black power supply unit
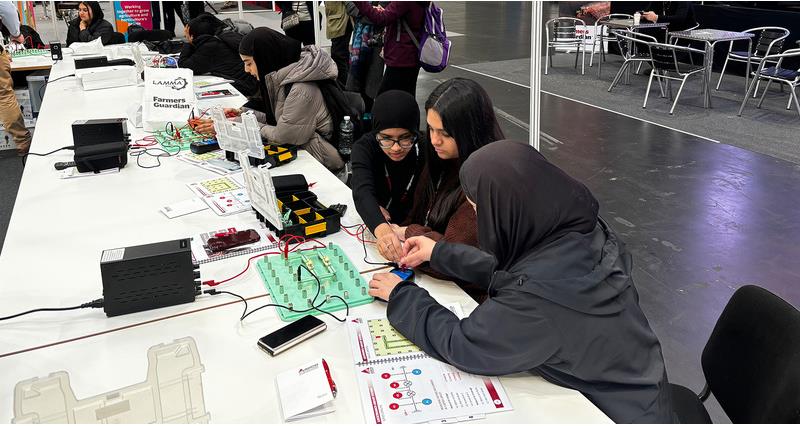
x=149, y=276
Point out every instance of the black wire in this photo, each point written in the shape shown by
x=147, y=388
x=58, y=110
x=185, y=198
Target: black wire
x=140, y=152
x=364, y=244
x=40, y=310
x=51, y=152
x=313, y=307
x=240, y=297
x=46, y=82
x=97, y=303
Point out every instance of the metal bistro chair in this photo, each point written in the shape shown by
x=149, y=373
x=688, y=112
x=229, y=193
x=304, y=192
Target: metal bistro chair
x=599, y=28
x=561, y=32
x=751, y=363
x=627, y=40
x=665, y=65
x=775, y=73
x=770, y=40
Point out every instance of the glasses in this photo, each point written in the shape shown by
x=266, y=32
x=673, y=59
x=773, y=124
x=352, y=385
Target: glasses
x=405, y=142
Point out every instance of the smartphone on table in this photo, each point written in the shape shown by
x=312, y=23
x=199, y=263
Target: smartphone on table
x=291, y=334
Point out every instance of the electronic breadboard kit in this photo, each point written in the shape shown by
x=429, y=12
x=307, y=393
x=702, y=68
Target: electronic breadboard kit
x=288, y=208
x=24, y=53
x=337, y=277
x=174, y=140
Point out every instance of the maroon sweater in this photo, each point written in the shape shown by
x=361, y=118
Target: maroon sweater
x=401, y=53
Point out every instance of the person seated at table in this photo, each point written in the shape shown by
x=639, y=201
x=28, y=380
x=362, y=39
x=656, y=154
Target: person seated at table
x=678, y=14
x=386, y=168
x=460, y=120
x=294, y=111
x=562, y=303
x=89, y=25
x=213, y=49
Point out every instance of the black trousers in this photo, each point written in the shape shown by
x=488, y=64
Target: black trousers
x=302, y=32
x=400, y=78
x=340, y=52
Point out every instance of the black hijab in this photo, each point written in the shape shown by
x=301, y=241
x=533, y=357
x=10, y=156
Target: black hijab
x=395, y=109
x=97, y=12
x=271, y=51
x=523, y=201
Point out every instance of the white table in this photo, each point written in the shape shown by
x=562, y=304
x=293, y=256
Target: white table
x=51, y=258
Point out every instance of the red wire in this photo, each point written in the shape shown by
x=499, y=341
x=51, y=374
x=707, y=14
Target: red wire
x=285, y=252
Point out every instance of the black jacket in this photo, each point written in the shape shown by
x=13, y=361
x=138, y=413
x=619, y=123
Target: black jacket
x=372, y=190
x=219, y=55
x=679, y=14
x=568, y=312
x=100, y=28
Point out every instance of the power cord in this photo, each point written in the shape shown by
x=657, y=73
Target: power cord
x=46, y=82
x=25, y=157
x=314, y=305
x=97, y=303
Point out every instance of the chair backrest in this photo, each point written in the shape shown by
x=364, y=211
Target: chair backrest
x=664, y=56
x=562, y=28
x=752, y=359
x=626, y=37
x=770, y=40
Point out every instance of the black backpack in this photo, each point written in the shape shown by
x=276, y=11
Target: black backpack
x=339, y=103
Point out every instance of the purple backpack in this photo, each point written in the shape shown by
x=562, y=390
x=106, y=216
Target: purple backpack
x=433, y=46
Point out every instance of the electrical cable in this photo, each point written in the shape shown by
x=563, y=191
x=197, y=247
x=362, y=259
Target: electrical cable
x=361, y=229
x=46, y=82
x=71, y=147
x=97, y=303
x=140, y=150
x=313, y=307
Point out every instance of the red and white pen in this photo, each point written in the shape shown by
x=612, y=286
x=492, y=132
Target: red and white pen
x=330, y=379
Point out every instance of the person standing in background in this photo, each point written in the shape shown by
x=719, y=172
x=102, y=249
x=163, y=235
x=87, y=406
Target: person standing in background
x=10, y=113
x=399, y=51
x=303, y=31
x=193, y=9
x=339, y=29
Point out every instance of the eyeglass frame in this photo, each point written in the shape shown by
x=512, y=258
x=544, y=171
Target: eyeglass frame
x=413, y=138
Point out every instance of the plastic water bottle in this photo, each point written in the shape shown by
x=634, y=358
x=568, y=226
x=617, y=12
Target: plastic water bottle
x=346, y=136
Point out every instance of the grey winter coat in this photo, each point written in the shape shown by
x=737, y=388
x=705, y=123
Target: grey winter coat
x=568, y=312
x=302, y=118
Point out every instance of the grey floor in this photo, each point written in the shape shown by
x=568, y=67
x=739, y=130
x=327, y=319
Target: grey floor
x=701, y=218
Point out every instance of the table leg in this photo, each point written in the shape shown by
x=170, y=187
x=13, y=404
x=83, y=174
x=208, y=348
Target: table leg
x=749, y=54
x=707, y=78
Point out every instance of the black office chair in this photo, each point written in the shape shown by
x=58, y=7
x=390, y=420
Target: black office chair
x=113, y=38
x=751, y=363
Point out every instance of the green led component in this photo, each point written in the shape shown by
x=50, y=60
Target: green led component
x=337, y=275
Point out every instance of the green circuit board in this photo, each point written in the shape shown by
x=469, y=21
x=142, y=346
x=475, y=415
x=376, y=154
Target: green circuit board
x=171, y=141
x=23, y=53
x=337, y=276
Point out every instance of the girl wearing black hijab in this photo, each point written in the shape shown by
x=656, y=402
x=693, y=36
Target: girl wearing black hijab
x=294, y=110
x=561, y=304
x=89, y=25
x=386, y=168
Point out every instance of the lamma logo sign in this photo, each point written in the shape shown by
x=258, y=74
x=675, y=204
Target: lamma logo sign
x=179, y=83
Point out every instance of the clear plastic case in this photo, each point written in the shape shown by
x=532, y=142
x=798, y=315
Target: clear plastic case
x=172, y=393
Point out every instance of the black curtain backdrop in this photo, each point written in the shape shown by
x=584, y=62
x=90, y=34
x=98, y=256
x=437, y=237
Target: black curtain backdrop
x=734, y=18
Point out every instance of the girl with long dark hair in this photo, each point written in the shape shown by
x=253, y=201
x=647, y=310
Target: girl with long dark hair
x=460, y=120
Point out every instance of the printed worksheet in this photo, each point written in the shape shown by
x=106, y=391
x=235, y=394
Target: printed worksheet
x=401, y=384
